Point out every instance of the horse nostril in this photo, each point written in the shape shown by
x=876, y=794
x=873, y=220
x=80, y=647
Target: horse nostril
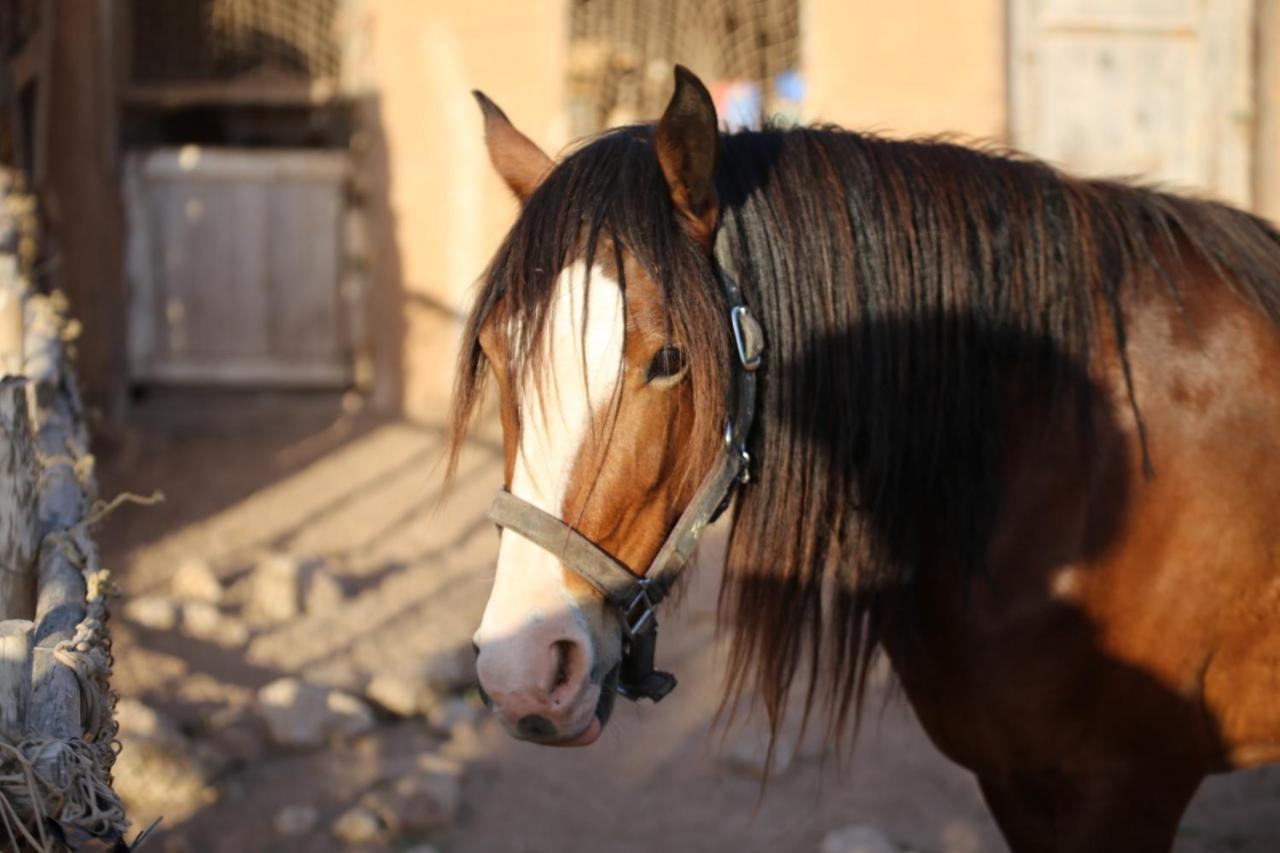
x=563, y=650
x=535, y=727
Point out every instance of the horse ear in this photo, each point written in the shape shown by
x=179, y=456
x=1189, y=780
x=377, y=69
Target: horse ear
x=686, y=140
x=519, y=162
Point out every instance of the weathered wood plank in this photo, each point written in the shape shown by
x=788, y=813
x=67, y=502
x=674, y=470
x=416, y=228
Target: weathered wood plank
x=55, y=697
x=1131, y=87
x=15, y=678
x=60, y=434
x=60, y=604
x=19, y=522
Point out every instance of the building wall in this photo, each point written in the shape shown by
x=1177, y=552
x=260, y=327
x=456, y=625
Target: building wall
x=1267, y=136
x=436, y=211
x=922, y=67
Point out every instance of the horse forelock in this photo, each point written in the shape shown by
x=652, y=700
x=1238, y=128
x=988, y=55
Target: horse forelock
x=606, y=207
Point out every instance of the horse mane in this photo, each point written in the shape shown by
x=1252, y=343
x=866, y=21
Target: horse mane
x=899, y=283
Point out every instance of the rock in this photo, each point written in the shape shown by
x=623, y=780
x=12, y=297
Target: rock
x=350, y=716
x=296, y=819
x=275, y=589
x=403, y=694
x=358, y=825
x=303, y=715
x=423, y=801
x=284, y=587
x=748, y=753
x=137, y=719
x=239, y=736
x=157, y=768
x=321, y=591
x=205, y=621
x=450, y=670
x=857, y=839
x=153, y=611
x=448, y=714
x=195, y=581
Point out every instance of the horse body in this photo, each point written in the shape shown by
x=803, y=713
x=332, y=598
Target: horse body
x=1019, y=431
x=1126, y=643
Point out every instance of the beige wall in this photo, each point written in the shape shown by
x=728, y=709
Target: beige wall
x=920, y=67
x=436, y=210
x=1267, y=141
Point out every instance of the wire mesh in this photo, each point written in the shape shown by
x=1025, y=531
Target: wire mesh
x=622, y=53
x=185, y=41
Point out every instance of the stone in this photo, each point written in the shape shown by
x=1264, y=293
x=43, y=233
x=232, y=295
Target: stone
x=137, y=719
x=450, y=670
x=423, y=801
x=358, y=825
x=205, y=621
x=157, y=768
x=285, y=586
x=195, y=581
x=321, y=591
x=448, y=714
x=748, y=753
x=297, y=819
x=275, y=588
x=302, y=715
x=349, y=715
x=154, y=612
x=857, y=839
x=403, y=694
x=239, y=735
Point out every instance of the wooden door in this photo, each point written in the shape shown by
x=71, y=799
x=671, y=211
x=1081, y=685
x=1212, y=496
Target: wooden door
x=235, y=266
x=1160, y=89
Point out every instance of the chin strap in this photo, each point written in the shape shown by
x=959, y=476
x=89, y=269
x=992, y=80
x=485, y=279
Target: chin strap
x=636, y=597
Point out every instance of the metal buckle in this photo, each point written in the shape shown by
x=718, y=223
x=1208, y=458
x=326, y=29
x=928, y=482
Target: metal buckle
x=748, y=336
x=744, y=458
x=637, y=614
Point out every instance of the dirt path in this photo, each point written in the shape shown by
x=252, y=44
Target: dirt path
x=247, y=478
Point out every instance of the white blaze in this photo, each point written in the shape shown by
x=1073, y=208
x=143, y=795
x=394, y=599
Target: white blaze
x=585, y=328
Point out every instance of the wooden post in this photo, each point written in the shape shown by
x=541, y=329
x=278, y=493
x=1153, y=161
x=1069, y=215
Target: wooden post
x=11, y=303
x=15, y=678
x=55, y=708
x=19, y=519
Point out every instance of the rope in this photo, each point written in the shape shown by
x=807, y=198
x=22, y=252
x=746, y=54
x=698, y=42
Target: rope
x=68, y=781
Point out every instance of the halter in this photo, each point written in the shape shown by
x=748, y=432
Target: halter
x=636, y=597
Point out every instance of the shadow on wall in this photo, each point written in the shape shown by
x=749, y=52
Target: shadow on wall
x=385, y=338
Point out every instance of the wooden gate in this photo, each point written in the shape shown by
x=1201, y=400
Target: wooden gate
x=235, y=267
x=1161, y=89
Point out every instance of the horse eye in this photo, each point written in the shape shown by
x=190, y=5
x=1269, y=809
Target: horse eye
x=667, y=363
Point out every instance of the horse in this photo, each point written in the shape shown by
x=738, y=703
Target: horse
x=1016, y=430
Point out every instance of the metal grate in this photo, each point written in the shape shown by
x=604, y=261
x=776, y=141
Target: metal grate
x=622, y=53
x=197, y=41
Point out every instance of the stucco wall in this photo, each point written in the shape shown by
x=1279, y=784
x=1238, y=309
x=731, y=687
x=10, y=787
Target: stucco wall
x=436, y=210
x=1267, y=87
x=922, y=67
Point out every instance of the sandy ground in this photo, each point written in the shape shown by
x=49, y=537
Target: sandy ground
x=251, y=476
